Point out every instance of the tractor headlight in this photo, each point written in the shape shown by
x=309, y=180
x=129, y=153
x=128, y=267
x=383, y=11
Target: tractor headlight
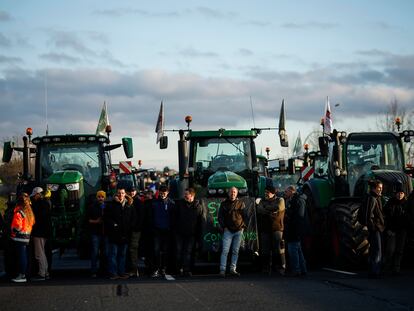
x=220, y=191
x=337, y=172
x=53, y=187
x=243, y=190
x=212, y=191
x=72, y=187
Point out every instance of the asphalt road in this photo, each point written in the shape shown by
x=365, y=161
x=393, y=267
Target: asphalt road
x=320, y=290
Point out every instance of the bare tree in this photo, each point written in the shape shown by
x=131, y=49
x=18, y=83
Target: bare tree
x=386, y=122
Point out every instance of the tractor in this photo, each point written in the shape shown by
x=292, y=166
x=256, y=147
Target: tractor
x=334, y=197
x=73, y=167
x=212, y=162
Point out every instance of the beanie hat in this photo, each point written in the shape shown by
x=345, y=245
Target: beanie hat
x=101, y=193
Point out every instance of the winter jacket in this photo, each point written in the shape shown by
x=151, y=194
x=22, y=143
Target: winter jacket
x=375, y=214
x=396, y=215
x=43, y=226
x=21, y=227
x=161, y=213
x=96, y=211
x=295, y=218
x=270, y=215
x=118, y=221
x=187, y=217
x=232, y=215
x=139, y=214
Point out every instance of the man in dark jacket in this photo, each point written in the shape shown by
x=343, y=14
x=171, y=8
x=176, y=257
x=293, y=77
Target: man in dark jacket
x=118, y=221
x=135, y=239
x=271, y=213
x=295, y=225
x=161, y=216
x=396, y=226
x=187, y=221
x=41, y=232
x=376, y=226
x=232, y=219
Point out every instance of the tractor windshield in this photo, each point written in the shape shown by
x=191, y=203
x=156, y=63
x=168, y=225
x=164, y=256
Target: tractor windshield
x=75, y=156
x=372, y=152
x=227, y=153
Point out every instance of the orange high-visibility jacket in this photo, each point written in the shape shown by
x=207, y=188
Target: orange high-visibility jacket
x=20, y=226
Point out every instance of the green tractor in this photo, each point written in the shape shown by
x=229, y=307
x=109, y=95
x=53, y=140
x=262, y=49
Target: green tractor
x=214, y=161
x=334, y=197
x=73, y=167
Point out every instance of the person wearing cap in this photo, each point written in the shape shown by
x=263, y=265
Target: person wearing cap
x=396, y=226
x=42, y=231
x=21, y=228
x=271, y=212
x=99, y=242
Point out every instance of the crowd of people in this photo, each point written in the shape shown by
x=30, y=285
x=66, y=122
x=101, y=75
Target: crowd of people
x=130, y=226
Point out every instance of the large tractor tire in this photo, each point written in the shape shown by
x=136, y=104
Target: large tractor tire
x=349, y=238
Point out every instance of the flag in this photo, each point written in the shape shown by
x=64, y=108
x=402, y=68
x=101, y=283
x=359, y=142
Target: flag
x=159, y=129
x=282, y=130
x=327, y=121
x=103, y=121
x=298, y=145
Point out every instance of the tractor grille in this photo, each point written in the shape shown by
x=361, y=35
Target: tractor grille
x=70, y=203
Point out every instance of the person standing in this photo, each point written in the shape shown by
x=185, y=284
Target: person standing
x=295, y=227
x=98, y=240
x=118, y=221
x=375, y=224
x=21, y=228
x=41, y=232
x=271, y=213
x=138, y=221
x=396, y=226
x=187, y=222
x=161, y=216
x=231, y=218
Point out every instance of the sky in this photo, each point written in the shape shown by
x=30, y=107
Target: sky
x=228, y=64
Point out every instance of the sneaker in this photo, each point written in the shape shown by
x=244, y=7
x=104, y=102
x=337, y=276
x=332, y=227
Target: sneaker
x=38, y=278
x=222, y=274
x=124, y=276
x=282, y=272
x=188, y=274
x=114, y=277
x=234, y=273
x=21, y=278
x=155, y=274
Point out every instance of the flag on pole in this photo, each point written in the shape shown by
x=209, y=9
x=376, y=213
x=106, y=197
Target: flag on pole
x=159, y=129
x=103, y=121
x=298, y=145
x=327, y=121
x=282, y=130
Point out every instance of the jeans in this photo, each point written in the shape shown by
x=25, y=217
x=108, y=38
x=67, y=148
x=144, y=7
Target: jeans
x=394, y=251
x=40, y=255
x=133, y=250
x=117, y=258
x=99, y=247
x=375, y=252
x=232, y=239
x=21, y=249
x=296, y=258
x=161, y=244
x=184, y=248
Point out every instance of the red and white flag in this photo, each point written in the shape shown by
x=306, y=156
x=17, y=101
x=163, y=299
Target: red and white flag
x=159, y=129
x=327, y=121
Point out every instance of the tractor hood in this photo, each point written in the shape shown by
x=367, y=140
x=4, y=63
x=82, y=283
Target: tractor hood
x=65, y=177
x=225, y=180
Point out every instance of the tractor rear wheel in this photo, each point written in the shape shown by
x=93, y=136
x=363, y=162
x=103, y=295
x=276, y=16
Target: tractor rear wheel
x=349, y=238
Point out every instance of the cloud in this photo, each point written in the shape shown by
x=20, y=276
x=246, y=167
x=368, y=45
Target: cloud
x=10, y=60
x=245, y=52
x=60, y=58
x=215, y=14
x=310, y=25
x=121, y=12
x=194, y=53
x=70, y=41
x=4, y=41
x=5, y=16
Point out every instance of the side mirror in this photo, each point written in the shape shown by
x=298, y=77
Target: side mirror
x=323, y=145
x=128, y=148
x=164, y=142
x=7, y=151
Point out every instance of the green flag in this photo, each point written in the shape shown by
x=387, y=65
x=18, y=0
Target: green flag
x=298, y=145
x=103, y=121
